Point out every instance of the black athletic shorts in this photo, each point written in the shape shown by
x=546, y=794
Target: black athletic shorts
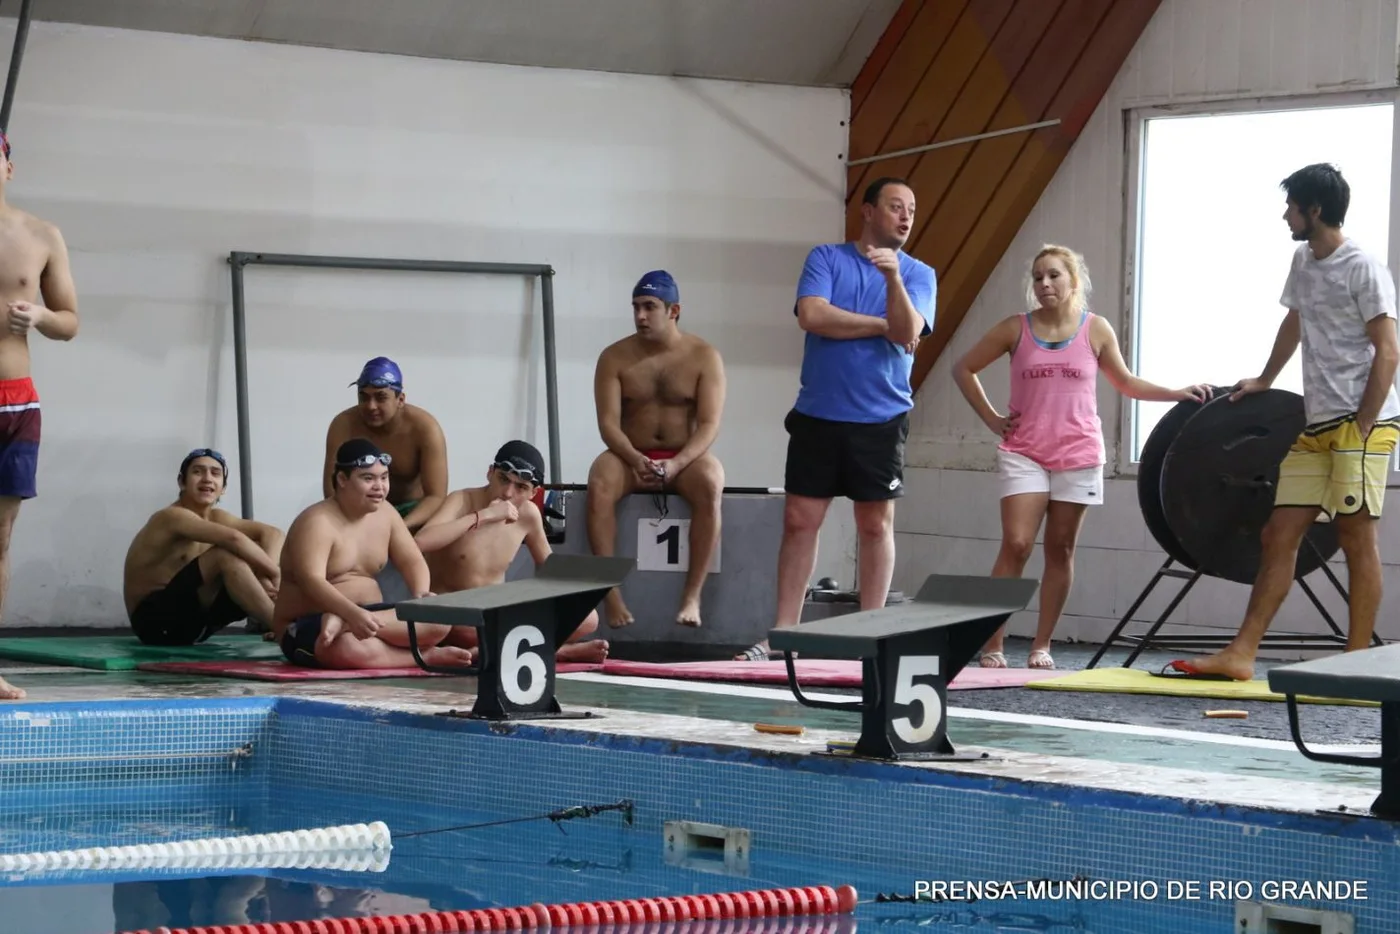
x=862, y=462
x=173, y=615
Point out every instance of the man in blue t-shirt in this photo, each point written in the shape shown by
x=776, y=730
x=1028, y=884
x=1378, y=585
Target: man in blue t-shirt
x=864, y=306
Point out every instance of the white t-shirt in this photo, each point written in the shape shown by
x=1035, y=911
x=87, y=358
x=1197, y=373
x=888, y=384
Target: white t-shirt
x=1335, y=298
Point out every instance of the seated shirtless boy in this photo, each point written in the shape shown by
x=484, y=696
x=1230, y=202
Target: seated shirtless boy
x=329, y=612
x=194, y=569
x=473, y=537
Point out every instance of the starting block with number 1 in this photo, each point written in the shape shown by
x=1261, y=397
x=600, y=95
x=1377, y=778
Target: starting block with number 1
x=520, y=625
x=664, y=545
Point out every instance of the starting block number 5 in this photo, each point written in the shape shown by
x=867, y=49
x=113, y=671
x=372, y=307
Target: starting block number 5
x=664, y=545
x=523, y=671
x=910, y=693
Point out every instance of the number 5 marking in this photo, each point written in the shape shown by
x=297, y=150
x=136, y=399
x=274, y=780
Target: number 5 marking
x=907, y=691
x=516, y=659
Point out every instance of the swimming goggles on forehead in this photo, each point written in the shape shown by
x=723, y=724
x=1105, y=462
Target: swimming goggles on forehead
x=524, y=473
x=367, y=460
x=207, y=452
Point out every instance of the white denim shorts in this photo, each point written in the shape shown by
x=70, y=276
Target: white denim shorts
x=1020, y=474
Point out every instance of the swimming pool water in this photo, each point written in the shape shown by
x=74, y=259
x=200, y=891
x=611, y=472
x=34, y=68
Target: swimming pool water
x=80, y=775
x=510, y=864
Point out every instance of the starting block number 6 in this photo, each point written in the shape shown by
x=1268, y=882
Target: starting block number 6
x=517, y=659
x=909, y=692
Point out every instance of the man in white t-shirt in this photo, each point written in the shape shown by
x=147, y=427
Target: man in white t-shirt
x=1341, y=305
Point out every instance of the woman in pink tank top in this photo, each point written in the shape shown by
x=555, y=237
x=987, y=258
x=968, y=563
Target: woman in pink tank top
x=1051, y=454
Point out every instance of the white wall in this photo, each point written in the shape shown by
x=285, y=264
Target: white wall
x=158, y=154
x=1192, y=50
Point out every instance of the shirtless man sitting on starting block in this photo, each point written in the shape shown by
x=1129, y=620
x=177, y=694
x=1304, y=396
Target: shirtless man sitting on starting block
x=659, y=395
x=329, y=611
x=472, y=539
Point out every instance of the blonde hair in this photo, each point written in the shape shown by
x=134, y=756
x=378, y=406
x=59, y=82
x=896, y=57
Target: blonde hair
x=1080, y=286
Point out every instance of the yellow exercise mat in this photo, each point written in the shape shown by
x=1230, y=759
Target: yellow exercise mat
x=1137, y=681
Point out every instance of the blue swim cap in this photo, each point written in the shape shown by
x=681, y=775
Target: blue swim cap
x=659, y=284
x=381, y=372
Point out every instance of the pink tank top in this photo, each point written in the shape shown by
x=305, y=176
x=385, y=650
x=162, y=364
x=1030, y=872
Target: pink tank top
x=1056, y=393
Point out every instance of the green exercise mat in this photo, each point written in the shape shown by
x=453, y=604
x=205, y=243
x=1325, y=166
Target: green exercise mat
x=125, y=652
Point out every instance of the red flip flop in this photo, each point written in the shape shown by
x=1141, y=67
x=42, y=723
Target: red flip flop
x=1185, y=671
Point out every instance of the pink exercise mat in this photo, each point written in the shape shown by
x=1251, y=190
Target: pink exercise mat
x=274, y=670
x=814, y=672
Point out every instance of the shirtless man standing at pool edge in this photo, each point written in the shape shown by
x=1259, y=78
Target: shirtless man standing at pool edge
x=412, y=437
x=659, y=394
x=475, y=535
x=33, y=260
x=328, y=612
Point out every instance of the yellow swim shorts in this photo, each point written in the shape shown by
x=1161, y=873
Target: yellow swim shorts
x=1331, y=466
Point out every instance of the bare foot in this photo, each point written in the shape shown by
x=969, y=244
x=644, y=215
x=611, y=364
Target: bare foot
x=615, y=610
x=449, y=656
x=9, y=692
x=1225, y=662
x=594, y=650
x=689, y=614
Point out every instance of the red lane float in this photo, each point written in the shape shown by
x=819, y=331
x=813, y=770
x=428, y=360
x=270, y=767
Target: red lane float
x=757, y=903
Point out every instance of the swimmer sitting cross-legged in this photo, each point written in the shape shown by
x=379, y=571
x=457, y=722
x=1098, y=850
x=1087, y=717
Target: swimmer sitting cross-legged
x=194, y=569
x=329, y=612
x=473, y=538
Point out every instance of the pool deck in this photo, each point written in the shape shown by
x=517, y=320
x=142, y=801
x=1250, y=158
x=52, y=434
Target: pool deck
x=1115, y=718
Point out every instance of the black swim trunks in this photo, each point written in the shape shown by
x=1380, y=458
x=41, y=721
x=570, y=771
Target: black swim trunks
x=299, y=638
x=174, y=615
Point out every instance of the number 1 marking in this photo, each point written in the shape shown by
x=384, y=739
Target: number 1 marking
x=671, y=538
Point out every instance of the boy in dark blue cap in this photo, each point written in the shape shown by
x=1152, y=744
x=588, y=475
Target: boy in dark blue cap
x=474, y=537
x=674, y=384
x=411, y=436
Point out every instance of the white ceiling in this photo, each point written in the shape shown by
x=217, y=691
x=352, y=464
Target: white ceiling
x=805, y=42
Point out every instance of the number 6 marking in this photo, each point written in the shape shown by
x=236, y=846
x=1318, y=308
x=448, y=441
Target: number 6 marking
x=516, y=659
x=907, y=691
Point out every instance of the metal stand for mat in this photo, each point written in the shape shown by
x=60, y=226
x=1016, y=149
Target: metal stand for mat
x=1286, y=641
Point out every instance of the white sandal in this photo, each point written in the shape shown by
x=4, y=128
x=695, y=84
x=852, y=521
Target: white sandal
x=993, y=660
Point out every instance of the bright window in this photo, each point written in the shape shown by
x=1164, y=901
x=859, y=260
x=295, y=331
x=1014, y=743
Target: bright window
x=1212, y=248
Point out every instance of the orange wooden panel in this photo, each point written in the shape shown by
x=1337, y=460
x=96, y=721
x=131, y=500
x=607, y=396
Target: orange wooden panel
x=949, y=80
x=974, y=172
x=918, y=48
x=884, y=49
x=1033, y=164
x=982, y=106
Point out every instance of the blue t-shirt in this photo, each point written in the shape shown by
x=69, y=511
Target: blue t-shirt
x=863, y=379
